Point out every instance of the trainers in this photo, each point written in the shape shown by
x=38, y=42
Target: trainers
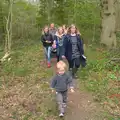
x=64, y=105
x=61, y=115
x=48, y=65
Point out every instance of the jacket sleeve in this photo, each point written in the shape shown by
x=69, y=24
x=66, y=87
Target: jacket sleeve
x=81, y=46
x=51, y=38
x=55, y=38
x=53, y=83
x=42, y=39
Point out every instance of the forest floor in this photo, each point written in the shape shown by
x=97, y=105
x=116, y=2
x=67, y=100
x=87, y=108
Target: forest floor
x=25, y=92
x=81, y=106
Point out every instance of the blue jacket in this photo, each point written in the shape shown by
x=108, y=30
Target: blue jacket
x=68, y=46
x=57, y=42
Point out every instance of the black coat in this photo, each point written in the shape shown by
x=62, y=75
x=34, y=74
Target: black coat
x=47, y=37
x=67, y=45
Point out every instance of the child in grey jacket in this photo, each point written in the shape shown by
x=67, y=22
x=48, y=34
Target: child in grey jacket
x=60, y=82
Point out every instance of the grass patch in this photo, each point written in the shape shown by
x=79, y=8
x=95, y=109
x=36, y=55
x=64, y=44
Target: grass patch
x=25, y=91
x=103, y=80
x=24, y=84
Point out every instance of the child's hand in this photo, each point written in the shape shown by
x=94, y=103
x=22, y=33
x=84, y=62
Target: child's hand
x=72, y=90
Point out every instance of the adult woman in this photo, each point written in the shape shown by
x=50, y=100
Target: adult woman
x=59, y=37
x=73, y=49
x=47, y=41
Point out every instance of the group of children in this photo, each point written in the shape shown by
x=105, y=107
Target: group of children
x=68, y=45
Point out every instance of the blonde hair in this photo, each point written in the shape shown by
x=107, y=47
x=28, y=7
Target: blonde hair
x=61, y=66
x=76, y=31
x=57, y=33
x=44, y=29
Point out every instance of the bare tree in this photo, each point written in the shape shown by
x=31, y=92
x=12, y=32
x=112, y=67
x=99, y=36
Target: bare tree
x=8, y=38
x=108, y=34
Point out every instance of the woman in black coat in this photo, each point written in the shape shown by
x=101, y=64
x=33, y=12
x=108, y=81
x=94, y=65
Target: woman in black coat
x=47, y=41
x=73, y=49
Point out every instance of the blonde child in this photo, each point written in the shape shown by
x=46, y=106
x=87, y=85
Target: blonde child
x=60, y=82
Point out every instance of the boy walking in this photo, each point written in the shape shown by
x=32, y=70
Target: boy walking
x=60, y=82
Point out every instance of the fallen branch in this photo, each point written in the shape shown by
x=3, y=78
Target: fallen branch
x=5, y=57
x=114, y=114
x=115, y=59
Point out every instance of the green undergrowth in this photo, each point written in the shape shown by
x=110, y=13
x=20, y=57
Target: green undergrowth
x=25, y=92
x=102, y=78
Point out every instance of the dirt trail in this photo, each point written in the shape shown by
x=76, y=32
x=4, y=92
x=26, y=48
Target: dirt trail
x=81, y=107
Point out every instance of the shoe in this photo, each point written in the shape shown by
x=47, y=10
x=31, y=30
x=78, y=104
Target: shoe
x=61, y=115
x=64, y=105
x=48, y=65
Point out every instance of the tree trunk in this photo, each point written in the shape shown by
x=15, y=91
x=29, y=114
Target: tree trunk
x=108, y=34
x=117, y=8
x=49, y=4
x=8, y=38
x=2, y=31
x=75, y=5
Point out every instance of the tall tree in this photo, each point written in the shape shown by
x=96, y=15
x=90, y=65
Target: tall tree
x=117, y=8
x=2, y=14
x=108, y=34
x=58, y=11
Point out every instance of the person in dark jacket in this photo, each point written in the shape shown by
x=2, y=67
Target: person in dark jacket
x=58, y=41
x=73, y=50
x=60, y=82
x=47, y=41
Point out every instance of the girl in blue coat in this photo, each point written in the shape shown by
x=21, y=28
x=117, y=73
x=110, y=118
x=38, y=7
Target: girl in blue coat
x=58, y=41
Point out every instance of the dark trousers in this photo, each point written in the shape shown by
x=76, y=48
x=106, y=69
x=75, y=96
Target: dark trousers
x=74, y=64
x=61, y=99
x=59, y=53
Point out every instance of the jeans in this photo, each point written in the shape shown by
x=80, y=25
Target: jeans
x=48, y=53
x=61, y=99
x=59, y=53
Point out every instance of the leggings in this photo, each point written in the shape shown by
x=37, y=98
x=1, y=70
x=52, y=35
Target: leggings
x=74, y=64
x=59, y=53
